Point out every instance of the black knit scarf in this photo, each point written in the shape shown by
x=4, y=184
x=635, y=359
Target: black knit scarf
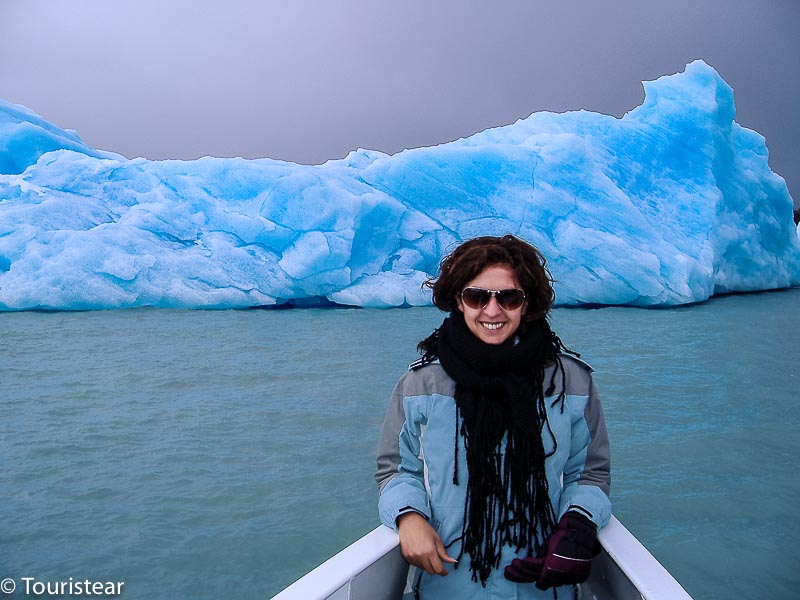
x=500, y=397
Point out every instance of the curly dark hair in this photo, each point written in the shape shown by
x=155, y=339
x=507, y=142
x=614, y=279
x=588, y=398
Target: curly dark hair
x=470, y=259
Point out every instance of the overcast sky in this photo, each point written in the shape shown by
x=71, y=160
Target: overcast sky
x=308, y=81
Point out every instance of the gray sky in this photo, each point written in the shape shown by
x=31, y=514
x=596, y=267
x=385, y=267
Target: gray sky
x=308, y=81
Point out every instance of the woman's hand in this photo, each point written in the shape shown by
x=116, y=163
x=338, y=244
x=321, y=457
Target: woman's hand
x=420, y=545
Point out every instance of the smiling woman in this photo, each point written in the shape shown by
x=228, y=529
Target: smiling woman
x=497, y=392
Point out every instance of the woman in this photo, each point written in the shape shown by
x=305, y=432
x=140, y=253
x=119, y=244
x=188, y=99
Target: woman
x=494, y=452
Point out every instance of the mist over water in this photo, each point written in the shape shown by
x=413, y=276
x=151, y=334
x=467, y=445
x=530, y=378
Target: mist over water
x=206, y=454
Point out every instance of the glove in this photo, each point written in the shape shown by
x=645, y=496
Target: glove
x=566, y=557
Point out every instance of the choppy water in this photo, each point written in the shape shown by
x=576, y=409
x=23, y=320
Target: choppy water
x=198, y=454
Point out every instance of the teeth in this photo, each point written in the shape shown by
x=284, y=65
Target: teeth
x=492, y=325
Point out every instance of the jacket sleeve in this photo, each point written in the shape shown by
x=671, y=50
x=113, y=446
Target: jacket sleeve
x=400, y=474
x=587, y=474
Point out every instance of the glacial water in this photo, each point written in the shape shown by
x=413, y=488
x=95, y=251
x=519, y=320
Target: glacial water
x=222, y=454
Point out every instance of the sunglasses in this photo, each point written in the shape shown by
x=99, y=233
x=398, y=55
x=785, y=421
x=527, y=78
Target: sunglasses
x=475, y=297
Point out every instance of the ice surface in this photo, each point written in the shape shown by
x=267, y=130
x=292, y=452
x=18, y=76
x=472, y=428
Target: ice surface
x=670, y=204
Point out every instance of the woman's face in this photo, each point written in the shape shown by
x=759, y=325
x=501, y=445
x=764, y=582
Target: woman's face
x=492, y=323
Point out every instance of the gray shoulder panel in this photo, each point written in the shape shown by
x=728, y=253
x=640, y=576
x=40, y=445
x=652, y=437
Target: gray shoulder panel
x=573, y=373
x=576, y=359
x=430, y=379
x=597, y=470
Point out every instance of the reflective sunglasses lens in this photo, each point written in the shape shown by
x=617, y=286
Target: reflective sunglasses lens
x=510, y=299
x=475, y=297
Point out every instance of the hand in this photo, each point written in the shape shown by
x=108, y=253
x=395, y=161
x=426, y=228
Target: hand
x=420, y=545
x=566, y=557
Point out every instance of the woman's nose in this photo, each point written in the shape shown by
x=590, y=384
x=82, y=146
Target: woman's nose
x=493, y=308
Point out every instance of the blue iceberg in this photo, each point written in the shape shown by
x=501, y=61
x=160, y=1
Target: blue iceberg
x=670, y=204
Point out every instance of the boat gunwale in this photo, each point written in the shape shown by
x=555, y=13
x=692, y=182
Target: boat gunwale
x=639, y=568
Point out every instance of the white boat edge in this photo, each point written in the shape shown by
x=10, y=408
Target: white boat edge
x=650, y=578
x=372, y=568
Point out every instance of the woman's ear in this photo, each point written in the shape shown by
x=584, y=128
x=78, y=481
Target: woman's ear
x=459, y=305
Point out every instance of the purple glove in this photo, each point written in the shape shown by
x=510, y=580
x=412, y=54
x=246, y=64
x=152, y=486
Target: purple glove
x=524, y=570
x=566, y=557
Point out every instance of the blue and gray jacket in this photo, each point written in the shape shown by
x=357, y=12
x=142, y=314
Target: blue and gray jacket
x=415, y=467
